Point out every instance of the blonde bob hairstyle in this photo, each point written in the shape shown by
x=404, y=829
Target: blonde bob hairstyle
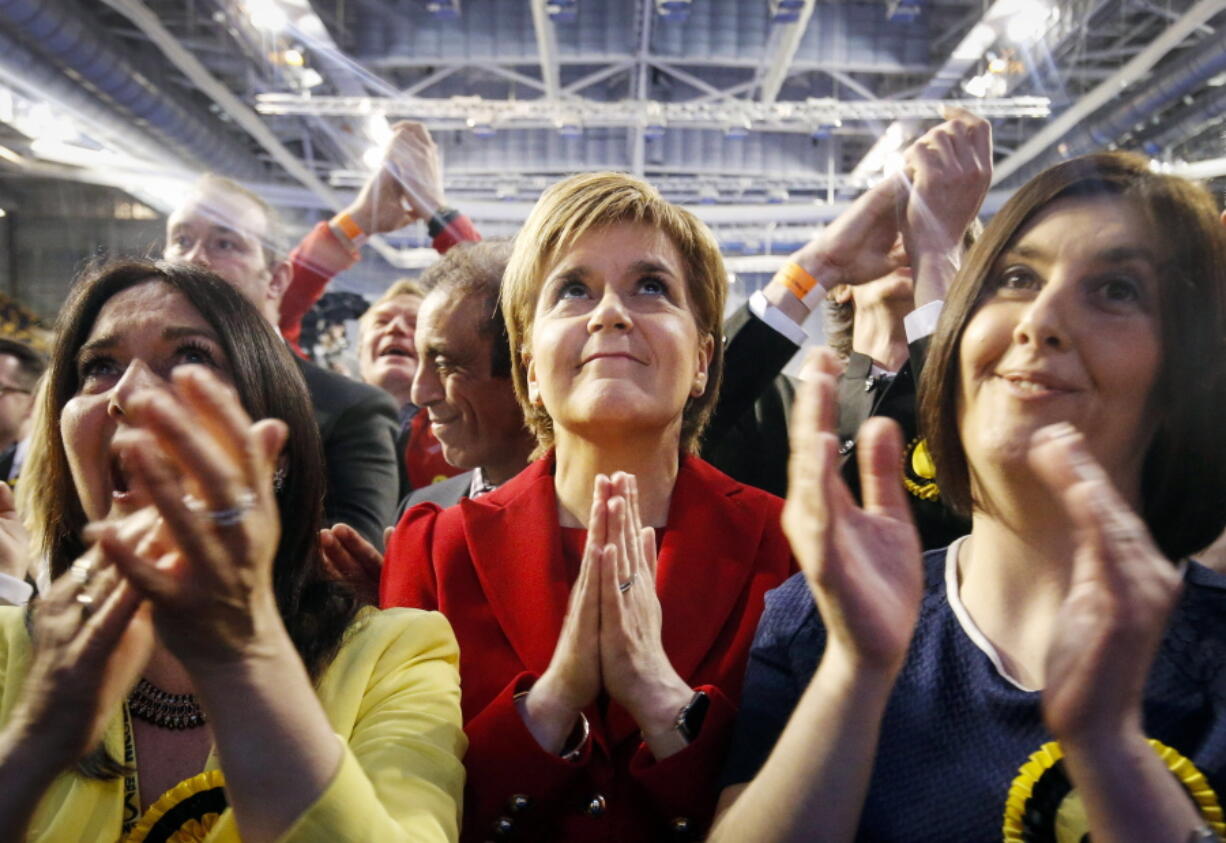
x=566, y=212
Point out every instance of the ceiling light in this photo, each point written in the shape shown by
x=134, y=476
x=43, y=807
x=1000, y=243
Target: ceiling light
x=267, y=15
x=1028, y=20
x=3, y=213
x=482, y=127
x=444, y=9
x=785, y=11
x=293, y=57
x=674, y=10
x=46, y=124
x=310, y=78
x=563, y=11
x=986, y=84
x=378, y=128
x=569, y=126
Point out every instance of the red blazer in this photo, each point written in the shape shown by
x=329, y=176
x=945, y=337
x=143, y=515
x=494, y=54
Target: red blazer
x=494, y=567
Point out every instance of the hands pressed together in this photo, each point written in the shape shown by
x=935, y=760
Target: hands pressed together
x=408, y=185
x=611, y=637
x=914, y=217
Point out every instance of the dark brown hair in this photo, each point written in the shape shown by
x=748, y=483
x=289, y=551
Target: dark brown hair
x=1183, y=481
x=474, y=271
x=316, y=611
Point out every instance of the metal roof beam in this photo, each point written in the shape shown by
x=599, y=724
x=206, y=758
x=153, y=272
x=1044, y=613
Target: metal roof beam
x=849, y=81
x=547, y=48
x=431, y=79
x=791, y=34
x=1110, y=88
x=599, y=76
x=689, y=79
x=516, y=76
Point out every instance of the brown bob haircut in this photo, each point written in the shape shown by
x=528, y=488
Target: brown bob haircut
x=1183, y=482
x=583, y=203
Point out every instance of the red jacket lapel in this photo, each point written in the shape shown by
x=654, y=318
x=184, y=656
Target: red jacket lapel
x=709, y=552
x=515, y=546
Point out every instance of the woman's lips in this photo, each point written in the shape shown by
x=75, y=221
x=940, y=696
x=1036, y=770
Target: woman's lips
x=1034, y=385
x=609, y=355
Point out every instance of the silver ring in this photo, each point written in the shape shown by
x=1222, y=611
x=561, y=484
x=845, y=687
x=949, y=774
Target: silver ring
x=86, y=602
x=82, y=570
x=223, y=517
x=625, y=586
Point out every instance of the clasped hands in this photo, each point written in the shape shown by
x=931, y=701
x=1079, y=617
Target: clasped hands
x=915, y=216
x=611, y=637
x=407, y=186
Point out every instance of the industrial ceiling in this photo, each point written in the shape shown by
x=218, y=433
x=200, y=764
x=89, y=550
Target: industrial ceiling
x=765, y=115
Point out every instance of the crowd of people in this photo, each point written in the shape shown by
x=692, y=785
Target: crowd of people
x=575, y=562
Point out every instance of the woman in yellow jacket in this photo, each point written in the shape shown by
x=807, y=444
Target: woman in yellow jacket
x=257, y=697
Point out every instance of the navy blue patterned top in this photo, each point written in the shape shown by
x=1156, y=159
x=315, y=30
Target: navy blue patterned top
x=956, y=731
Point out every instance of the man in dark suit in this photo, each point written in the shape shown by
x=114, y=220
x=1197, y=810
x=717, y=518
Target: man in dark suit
x=231, y=231
x=886, y=263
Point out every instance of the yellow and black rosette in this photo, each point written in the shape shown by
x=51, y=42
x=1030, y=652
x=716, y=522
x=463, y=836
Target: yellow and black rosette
x=185, y=813
x=1044, y=807
x=919, y=472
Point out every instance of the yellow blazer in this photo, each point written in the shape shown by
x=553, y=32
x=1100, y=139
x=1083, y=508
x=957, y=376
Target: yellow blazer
x=392, y=695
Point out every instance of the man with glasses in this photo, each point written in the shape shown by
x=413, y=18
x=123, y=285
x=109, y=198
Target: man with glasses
x=20, y=369
x=223, y=227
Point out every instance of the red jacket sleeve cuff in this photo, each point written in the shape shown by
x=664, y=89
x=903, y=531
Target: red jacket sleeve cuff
x=459, y=230
x=310, y=279
x=684, y=787
x=504, y=762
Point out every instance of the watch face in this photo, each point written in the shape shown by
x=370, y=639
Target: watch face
x=689, y=719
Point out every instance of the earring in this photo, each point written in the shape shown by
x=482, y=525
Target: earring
x=278, y=479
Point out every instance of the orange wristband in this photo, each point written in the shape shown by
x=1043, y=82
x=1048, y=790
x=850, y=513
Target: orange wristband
x=793, y=276
x=350, y=229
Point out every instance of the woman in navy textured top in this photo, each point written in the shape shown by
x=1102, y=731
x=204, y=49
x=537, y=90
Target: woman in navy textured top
x=1060, y=670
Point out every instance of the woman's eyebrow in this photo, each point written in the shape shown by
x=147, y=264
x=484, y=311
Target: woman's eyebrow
x=1113, y=254
x=652, y=266
x=1124, y=254
x=178, y=333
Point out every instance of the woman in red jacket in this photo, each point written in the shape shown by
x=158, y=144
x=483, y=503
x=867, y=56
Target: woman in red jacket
x=600, y=678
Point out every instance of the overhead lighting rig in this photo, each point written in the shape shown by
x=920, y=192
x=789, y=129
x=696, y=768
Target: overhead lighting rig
x=786, y=11
x=673, y=10
x=813, y=115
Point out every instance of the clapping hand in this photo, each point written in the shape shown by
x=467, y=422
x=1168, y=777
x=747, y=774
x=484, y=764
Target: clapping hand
x=14, y=540
x=946, y=172
x=862, y=563
x=92, y=637
x=1120, y=596
x=206, y=562
x=406, y=186
x=348, y=557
